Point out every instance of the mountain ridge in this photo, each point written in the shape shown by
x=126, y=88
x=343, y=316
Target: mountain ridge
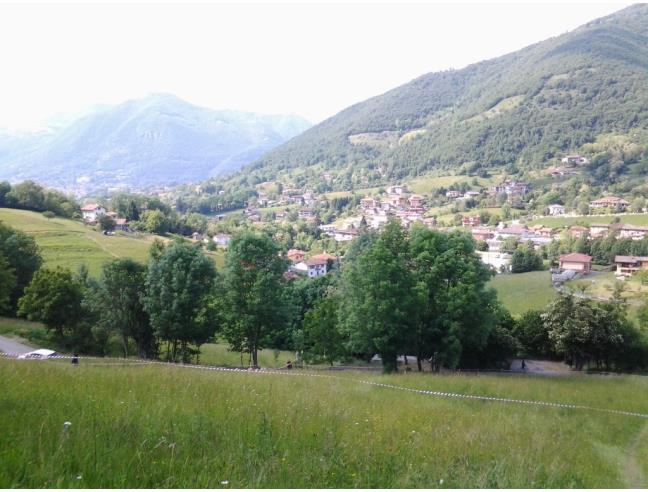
x=157, y=140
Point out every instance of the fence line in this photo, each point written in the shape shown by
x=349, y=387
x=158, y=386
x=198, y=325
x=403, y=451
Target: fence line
x=298, y=373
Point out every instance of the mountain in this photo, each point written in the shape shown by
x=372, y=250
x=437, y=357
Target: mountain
x=519, y=111
x=157, y=140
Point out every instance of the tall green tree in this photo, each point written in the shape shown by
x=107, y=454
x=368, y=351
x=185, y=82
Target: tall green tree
x=323, y=339
x=23, y=256
x=253, y=292
x=178, y=285
x=378, y=309
x=7, y=285
x=54, y=298
x=120, y=290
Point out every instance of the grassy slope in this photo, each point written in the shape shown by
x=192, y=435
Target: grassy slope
x=523, y=291
x=631, y=219
x=154, y=426
x=69, y=243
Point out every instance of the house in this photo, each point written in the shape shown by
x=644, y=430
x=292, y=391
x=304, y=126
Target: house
x=296, y=255
x=556, y=209
x=454, y=194
x=471, y=194
x=369, y=203
x=344, y=235
x=92, y=211
x=329, y=259
x=633, y=232
x=430, y=222
x=415, y=201
x=627, y=265
x=471, y=220
x=395, y=200
x=598, y=230
x=544, y=232
x=578, y=231
x=222, y=240
x=311, y=268
x=574, y=160
x=196, y=236
x=512, y=231
x=509, y=187
x=496, y=260
x=122, y=225
x=578, y=262
x=306, y=213
x=482, y=234
x=396, y=189
x=613, y=202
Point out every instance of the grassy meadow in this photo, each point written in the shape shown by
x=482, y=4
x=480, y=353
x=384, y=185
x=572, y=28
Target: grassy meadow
x=520, y=292
x=631, y=219
x=68, y=243
x=153, y=426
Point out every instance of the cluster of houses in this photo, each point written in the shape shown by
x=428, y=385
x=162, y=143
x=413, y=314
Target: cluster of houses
x=92, y=211
x=396, y=203
x=606, y=203
x=221, y=240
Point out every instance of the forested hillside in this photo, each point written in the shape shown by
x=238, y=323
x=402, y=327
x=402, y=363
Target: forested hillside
x=520, y=110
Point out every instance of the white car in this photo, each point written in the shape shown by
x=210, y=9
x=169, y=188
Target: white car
x=39, y=354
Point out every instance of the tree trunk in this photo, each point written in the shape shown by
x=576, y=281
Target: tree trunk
x=254, y=358
x=125, y=344
x=419, y=363
x=390, y=364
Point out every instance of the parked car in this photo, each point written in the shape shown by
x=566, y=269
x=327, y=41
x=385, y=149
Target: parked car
x=39, y=354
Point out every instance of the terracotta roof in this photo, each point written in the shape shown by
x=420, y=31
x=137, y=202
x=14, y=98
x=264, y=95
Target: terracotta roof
x=90, y=207
x=576, y=257
x=629, y=259
x=315, y=262
x=324, y=256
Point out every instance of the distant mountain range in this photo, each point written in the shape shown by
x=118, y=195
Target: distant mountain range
x=520, y=111
x=157, y=140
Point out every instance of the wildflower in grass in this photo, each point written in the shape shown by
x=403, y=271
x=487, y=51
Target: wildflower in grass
x=79, y=477
x=67, y=424
x=224, y=482
x=441, y=482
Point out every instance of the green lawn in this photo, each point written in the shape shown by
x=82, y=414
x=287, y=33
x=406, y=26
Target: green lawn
x=153, y=426
x=69, y=243
x=520, y=292
x=631, y=219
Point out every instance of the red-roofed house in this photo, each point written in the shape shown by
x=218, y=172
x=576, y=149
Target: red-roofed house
x=91, y=211
x=578, y=262
x=296, y=255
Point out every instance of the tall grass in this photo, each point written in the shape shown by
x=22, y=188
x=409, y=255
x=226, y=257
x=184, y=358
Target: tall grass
x=158, y=426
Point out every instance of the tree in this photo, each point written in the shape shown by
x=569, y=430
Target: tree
x=253, y=293
x=54, y=298
x=7, y=285
x=455, y=311
x=49, y=215
x=155, y=222
x=378, y=303
x=106, y=223
x=23, y=256
x=119, y=297
x=532, y=333
x=178, y=285
x=525, y=259
x=323, y=339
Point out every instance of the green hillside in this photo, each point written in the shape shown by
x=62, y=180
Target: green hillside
x=521, y=111
x=70, y=243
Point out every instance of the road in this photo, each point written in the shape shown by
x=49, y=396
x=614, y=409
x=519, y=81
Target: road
x=10, y=346
x=541, y=367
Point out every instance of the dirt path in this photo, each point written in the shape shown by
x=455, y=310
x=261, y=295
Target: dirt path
x=633, y=474
x=10, y=346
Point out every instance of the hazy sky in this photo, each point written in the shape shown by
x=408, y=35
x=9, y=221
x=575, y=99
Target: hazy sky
x=309, y=59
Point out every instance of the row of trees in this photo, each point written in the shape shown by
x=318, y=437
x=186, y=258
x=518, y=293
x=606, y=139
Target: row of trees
x=31, y=196
x=419, y=292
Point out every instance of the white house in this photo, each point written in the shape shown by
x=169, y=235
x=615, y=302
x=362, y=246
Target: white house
x=499, y=261
x=556, y=209
x=222, y=240
x=311, y=268
x=92, y=211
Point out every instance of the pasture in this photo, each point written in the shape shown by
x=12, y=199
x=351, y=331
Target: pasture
x=70, y=244
x=631, y=219
x=154, y=426
x=520, y=292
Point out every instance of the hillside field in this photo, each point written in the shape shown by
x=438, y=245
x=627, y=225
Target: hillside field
x=631, y=219
x=154, y=426
x=520, y=292
x=68, y=243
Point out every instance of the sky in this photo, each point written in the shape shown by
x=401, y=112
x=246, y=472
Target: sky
x=304, y=58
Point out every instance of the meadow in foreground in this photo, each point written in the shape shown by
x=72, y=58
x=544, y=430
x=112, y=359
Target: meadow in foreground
x=159, y=426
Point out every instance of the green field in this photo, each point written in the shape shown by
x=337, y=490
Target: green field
x=154, y=426
x=631, y=219
x=520, y=292
x=69, y=243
